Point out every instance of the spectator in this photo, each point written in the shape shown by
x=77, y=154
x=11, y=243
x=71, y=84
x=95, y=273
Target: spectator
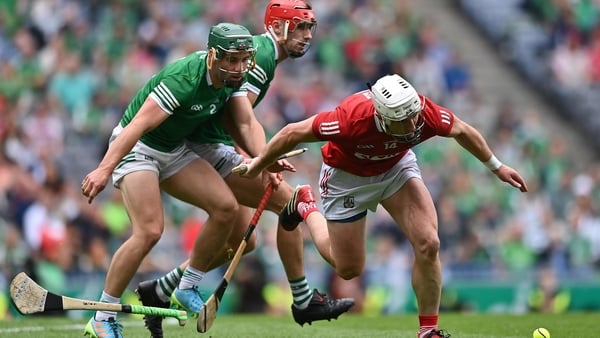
x=570, y=63
x=74, y=86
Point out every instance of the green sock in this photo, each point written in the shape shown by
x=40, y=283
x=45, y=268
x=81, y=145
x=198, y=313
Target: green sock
x=301, y=292
x=167, y=283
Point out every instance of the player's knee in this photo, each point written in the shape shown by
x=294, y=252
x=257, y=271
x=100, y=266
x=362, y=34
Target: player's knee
x=226, y=214
x=149, y=236
x=282, y=195
x=427, y=248
x=349, y=272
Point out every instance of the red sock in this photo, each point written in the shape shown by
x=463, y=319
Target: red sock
x=427, y=322
x=305, y=209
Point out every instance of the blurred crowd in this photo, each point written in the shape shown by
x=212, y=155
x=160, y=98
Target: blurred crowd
x=70, y=67
x=573, y=29
x=572, y=49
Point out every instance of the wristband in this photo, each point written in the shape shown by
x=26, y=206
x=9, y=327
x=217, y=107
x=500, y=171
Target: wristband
x=493, y=163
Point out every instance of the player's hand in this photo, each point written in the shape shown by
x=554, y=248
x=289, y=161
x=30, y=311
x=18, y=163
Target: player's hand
x=94, y=183
x=512, y=177
x=273, y=178
x=281, y=165
x=248, y=168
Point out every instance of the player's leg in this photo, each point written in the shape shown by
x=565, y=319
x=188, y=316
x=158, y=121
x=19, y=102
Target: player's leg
x=308, y=304
x=248, y=193
x=317, y=226
x=413, y=209
x=141, y=196
x=200, y=185
x=138, y=180
x=346, y=199
x=348, y=246
x=240, y=225
x=302, y=206
x=289, y=243
x=157, y=292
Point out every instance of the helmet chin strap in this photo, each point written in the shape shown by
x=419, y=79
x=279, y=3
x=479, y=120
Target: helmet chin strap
x=210, y=58
x=286, y=25
x=232, y=71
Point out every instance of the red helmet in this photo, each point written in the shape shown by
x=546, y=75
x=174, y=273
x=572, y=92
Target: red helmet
x=292, y=11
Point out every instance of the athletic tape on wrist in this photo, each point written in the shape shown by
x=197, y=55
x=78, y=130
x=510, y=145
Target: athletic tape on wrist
x=493, y=163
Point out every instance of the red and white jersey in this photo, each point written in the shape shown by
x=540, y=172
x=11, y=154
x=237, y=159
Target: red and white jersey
x=358, y=145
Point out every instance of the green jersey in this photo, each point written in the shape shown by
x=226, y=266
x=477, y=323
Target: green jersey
x=259, y=79
x=184, y=90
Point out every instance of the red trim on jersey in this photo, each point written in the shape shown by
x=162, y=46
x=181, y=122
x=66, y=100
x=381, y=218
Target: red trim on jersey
x=357, y=144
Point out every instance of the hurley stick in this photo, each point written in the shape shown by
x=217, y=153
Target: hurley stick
x=29, y=298
x=242, y=168
x=208, y=312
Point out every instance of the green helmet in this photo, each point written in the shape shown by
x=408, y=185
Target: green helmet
x=229, y=38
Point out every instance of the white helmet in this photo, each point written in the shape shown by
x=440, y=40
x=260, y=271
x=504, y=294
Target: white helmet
x=396, y=100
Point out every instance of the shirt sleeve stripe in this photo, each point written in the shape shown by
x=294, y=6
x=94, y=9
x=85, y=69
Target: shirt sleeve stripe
x=330, y=128
x=259, y=74
x=445, y=117
x=236, y=94
x=158, y=101
x=165, y=94
x=252, y=88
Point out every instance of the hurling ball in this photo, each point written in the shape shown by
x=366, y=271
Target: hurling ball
x=541, y=333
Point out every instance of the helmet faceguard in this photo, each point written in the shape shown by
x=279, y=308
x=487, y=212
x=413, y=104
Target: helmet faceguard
x=228, y=42
x=291, y=14
x=395, y=100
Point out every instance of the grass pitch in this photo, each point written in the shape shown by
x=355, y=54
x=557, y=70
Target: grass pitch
x=573, y=325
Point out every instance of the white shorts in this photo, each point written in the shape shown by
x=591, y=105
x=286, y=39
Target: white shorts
x=222, y=157
x=143, y=157
x=347, y=197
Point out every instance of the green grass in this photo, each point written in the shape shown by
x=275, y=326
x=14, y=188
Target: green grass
x=573, y=325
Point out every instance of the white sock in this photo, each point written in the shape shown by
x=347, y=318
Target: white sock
x=104, y=315
x=191, y=277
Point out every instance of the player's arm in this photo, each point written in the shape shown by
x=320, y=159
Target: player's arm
x=472, y=140
x=248, y=134
x=285, y=140
x=252, y=97
x=242, y=125
x=148, y=117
